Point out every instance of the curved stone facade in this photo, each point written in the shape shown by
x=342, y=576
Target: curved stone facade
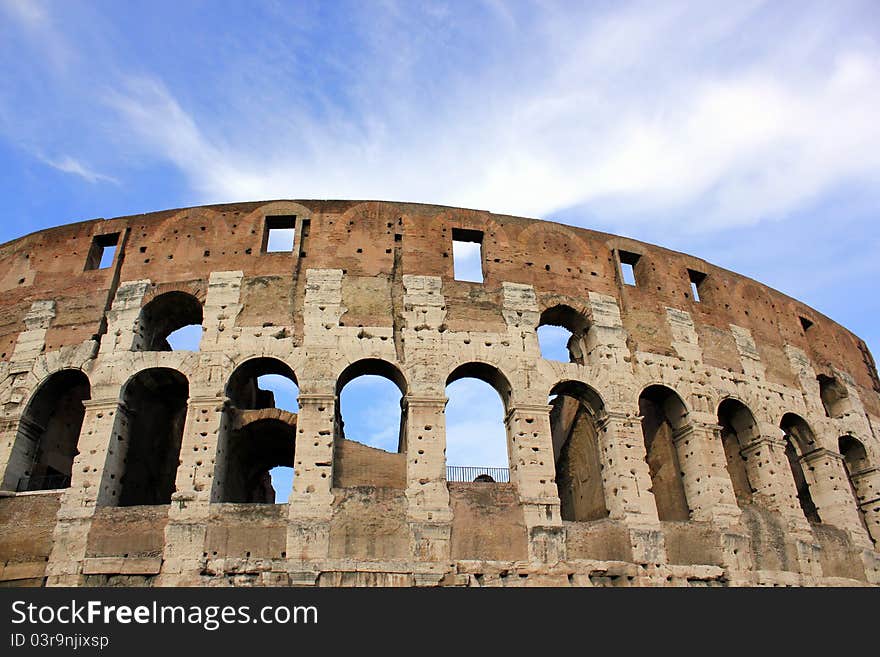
x=730, y=439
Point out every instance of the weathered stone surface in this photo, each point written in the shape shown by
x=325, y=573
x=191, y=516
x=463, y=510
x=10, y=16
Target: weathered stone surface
x=726, y=441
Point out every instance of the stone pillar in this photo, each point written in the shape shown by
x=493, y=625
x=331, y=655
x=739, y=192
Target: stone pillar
x=867, y=485
x=14, y=453
x=311, y=500
x=189, y=512
x=198, y=450
x=774, y=489
x=222, y=306
x=8, y=451
x=429, y=513
x=24, y=439
x=103, y=420
x=626, y=478
x=707, y=485
x=626, y=481
x=102, y=446
x=123, y=331
x=532, y=470
x=826, y=475
x=770, y=477
x=69, y=544
x=32, y=340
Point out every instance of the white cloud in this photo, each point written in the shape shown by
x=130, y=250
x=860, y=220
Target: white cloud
x=74, y=167
x=29, y=12
x=642, y=112
x=632, y=117
x=475, y=431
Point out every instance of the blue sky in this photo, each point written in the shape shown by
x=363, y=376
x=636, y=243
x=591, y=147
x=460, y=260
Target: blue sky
x=743, y=132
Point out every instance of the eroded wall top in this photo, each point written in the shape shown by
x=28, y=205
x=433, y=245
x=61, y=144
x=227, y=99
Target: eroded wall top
x=376, y=243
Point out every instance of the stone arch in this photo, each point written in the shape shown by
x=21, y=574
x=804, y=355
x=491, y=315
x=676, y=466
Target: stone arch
x=281, y=207
x=182, y=362
x=468, y=387
x=374, y=367
x=859, y=471
x=574, y=322
x=834, y=396
x=664, y=417
x=48, y=432
x=487, y=373
x=163, y=315
x=144, y=453
x=256, y=435
x=575, y=422
x=565, y=244
x=799, y=441
x=192, y=288
x=739, y=428
x=242, y=387
x=356, y=462
x=799, y=431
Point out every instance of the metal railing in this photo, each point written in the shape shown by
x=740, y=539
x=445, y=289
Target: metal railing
x=44, y=482
x=476, y=474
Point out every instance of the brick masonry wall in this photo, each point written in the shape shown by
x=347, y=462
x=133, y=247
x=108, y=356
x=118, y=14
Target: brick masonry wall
x=374, y=280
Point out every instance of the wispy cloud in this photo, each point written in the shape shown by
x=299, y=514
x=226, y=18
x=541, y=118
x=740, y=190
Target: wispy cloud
x=29, y=12
x=74, y=167
x=634, y=111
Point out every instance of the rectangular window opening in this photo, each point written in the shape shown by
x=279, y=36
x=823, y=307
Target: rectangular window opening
x=103, y=251
x=279, y=233
x=628, y=263
x=467, y=255
x=805, y=324
x=696, y=279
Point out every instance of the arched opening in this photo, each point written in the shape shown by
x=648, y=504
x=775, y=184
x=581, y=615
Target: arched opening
x=855, y=459
x=48, y=432
x=561, y=334
x=369, y=410
x=170, y=322
x=574, y=422
x=147, y=439
x=259, y=434
x=738, y=429
x=476, y=434
x=255, y=452
x=799, y=440
x=263, y=383
x=834, y=395
x=663, y=416
x=370, y=426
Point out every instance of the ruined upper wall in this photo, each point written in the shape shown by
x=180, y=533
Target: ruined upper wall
x=377, y=242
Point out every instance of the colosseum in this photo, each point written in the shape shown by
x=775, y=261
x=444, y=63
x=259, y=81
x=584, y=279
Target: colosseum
x=706, y=431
